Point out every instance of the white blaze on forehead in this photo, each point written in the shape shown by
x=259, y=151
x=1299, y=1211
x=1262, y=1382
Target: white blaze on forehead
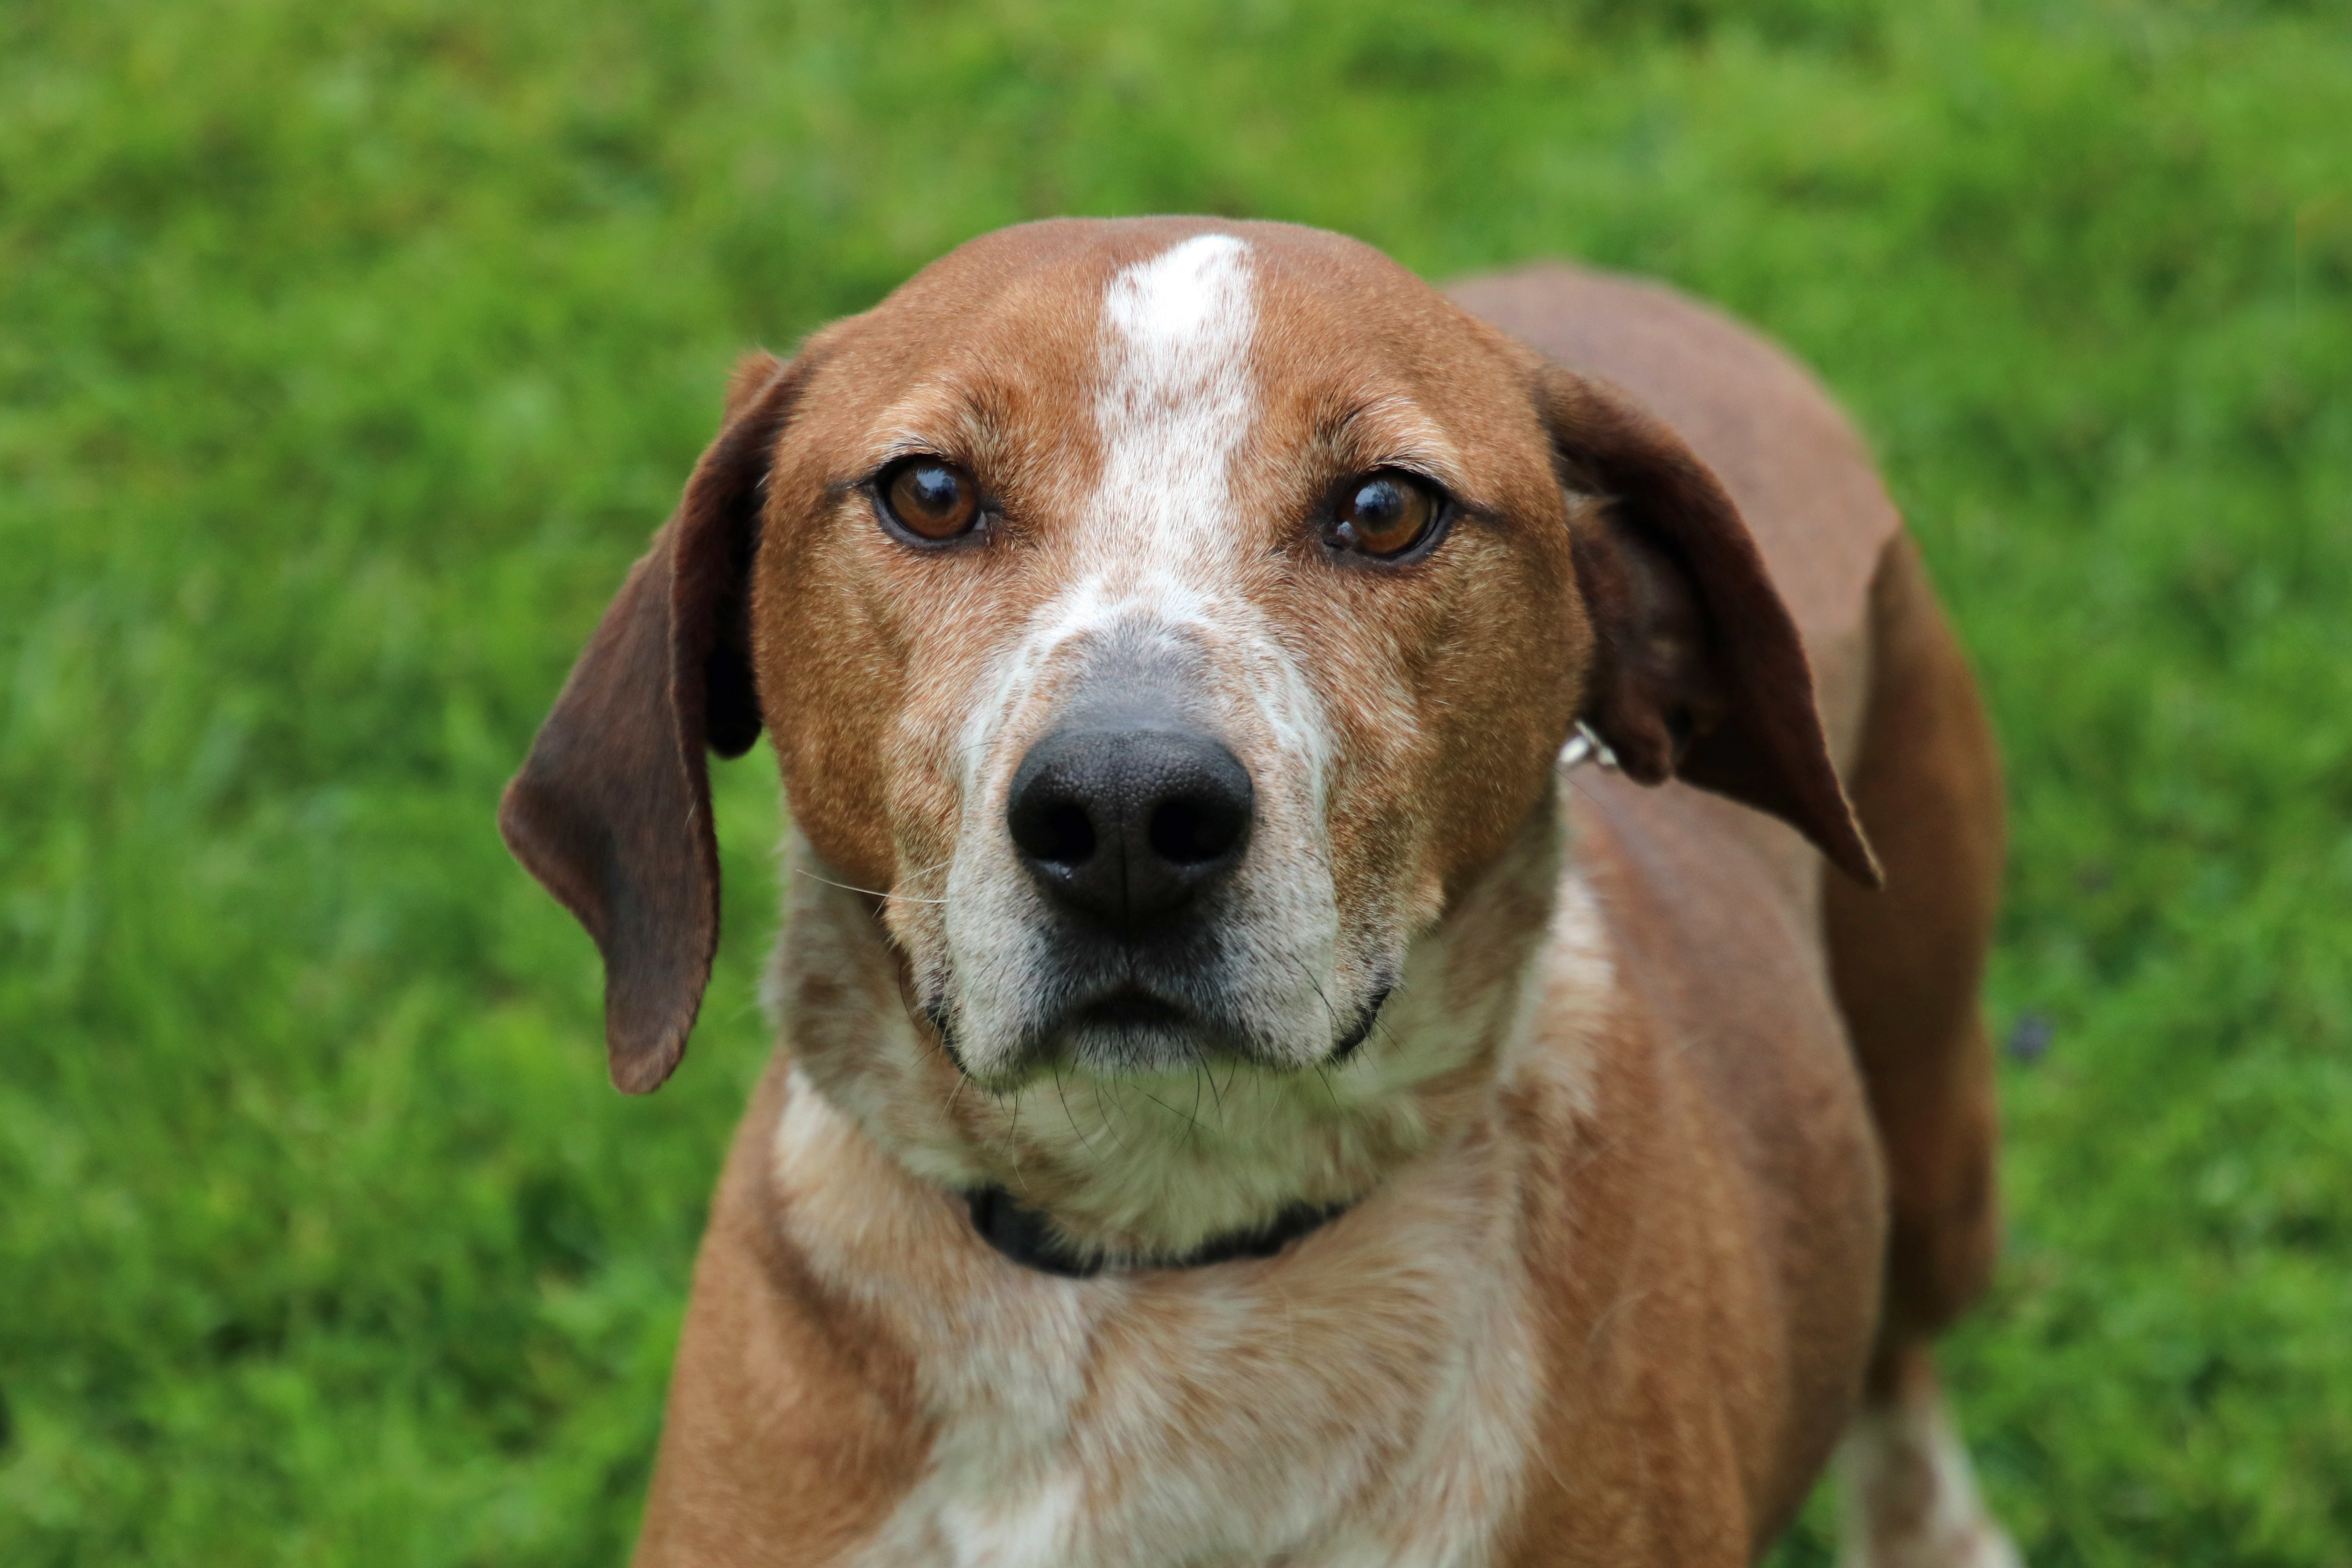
x=1177, y=401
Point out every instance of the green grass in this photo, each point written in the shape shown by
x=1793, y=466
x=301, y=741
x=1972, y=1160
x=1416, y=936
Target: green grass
x=347, y=353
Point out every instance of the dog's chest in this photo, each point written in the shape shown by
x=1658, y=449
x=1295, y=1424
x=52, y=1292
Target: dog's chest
x=1364, y=1399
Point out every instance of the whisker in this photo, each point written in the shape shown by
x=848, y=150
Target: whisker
x=1164, y=1105
x=1317, y=984
x=1084, y=1141
x=923, y=1039
x=1013, y=1145
x=1584, y=788
x=1096, y=1088
x=870, y=892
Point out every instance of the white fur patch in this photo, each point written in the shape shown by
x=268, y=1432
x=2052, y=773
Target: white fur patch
x=1907, y=1494
x=1177, y=403
x=1153, y=568
x=1366, y=1398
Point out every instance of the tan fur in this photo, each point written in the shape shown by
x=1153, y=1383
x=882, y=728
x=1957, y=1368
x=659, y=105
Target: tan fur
x=1611, y=1279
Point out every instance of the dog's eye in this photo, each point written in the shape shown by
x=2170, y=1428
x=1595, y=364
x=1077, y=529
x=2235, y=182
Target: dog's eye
x=1385, y=513
x=930, y=499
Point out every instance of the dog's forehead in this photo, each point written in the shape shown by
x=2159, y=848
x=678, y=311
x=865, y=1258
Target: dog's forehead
x=1027, y=321
x=1065, y=269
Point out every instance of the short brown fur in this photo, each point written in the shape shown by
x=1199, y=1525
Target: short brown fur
x=1709, y=1238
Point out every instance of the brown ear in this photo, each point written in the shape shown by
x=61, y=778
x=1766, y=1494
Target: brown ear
x=1698, y=672
x=612, y=808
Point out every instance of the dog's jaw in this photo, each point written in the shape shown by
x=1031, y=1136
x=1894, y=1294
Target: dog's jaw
x=1141, y=1165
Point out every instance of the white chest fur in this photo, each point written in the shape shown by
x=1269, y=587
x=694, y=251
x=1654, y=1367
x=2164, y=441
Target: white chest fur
x=1366, y=1398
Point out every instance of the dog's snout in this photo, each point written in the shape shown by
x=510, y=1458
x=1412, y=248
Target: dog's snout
x=1125, y=822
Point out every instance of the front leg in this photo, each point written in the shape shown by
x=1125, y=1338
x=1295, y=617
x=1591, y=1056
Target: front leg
x=1909, y=1497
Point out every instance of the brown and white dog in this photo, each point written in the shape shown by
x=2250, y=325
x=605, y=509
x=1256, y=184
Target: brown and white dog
x=1242, y=1101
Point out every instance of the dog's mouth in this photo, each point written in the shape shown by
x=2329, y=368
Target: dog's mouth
x=1131, y=1007
x=1117, y=1027
x=1131, y=1028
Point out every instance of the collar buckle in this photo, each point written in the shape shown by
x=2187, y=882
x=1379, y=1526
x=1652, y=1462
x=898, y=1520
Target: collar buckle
x=1584, y=746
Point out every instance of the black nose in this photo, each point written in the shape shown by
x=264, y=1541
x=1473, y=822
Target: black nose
x=1123, y=822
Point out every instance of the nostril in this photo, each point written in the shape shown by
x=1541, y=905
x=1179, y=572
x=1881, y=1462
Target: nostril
x=1058, y=832
x=1065, y=834
x=1192, y=831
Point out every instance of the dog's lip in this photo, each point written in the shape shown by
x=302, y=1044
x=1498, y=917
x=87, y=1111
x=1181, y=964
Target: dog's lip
x=1131, y=1007
x=1361, y=1030
x=1102, y=1027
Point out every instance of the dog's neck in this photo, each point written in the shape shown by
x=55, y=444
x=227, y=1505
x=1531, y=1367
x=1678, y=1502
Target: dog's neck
x=1027, y=1236
x=1168, y=1165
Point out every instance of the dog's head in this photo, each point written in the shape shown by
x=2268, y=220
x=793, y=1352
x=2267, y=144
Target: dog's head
x=1170, y=617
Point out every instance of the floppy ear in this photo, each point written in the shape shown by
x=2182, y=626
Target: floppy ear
x=1698, y=673
x=612, y=808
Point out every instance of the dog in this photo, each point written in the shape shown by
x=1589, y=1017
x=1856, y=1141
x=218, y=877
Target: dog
x=1337, y=1006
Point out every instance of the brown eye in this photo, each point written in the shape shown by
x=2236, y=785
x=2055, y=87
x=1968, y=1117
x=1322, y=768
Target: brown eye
x=930, y=499
x=1385, y=513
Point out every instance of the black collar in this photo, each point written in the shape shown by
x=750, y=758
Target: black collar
x=1023, y=1236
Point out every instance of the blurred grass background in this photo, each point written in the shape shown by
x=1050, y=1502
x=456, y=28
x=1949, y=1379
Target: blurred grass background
x=348, y=353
